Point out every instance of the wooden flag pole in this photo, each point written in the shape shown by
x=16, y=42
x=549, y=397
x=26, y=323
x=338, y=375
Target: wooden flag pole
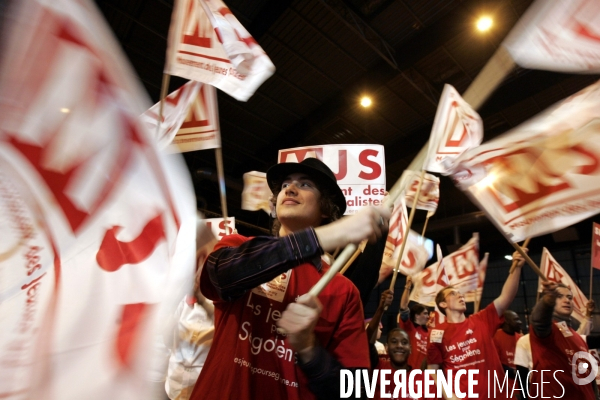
x=350, y=261
x=514, y=263
x=410, y=220
x=219, y=156
x=592, y=263
x=492, y=74
x=163, y=93
x=425, y=226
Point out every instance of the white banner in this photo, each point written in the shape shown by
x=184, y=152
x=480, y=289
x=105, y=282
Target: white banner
x=256, y=194
x=460, y=269
x=220, y=227
x=359, y=169
x=558, y=36
x=555, y=273
x=176, y=107
x=429, y=282
x=543, y=175
x=98, y=227
x=208, y=44
x=475, y=295
x=456, y=128
x=190, y=119
x=429, y=197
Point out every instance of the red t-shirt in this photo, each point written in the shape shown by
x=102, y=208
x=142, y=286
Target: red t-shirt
x=555, y=353
x=249, y=360
x=418, y=342
x=469, y=345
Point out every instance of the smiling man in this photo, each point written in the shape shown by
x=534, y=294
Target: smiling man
x=271, y=340
x=466, y=343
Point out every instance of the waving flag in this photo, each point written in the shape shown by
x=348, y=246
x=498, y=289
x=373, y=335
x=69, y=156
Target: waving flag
x=208, y=44
x=475, y=295
x=456, y=128
x=429, y=197
x=430, y=281
x=256, y=194
x=190, y=119
x=97, y=225
x=543, y=175
x=555, y=273
x=558, y=36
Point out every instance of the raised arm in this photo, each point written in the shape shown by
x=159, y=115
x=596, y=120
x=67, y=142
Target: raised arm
x=404, y=312
x=387, y=297
x=511, y=286
x=541, y=316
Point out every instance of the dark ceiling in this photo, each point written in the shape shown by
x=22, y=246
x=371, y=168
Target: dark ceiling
x=330, y=52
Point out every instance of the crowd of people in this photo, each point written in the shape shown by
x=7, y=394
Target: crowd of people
x=269, y=339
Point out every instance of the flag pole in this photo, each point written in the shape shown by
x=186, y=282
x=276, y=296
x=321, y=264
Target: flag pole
x=514, y=263
x=410, y=220
x=163, y=93
x=221, y=174
x=592, y=262
x=425, y=226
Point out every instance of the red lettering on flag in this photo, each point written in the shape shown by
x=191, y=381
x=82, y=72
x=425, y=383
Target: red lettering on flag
x=113, y=253
x=197, y=29
x=129, y=332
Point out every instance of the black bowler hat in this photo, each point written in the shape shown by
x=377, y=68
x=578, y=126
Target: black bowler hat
x=316, y=170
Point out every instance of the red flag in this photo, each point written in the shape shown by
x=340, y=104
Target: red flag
x=208, y=44
x=98, y=225
x=596, y=246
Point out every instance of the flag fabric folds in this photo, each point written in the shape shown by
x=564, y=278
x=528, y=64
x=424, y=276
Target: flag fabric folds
x=190, y=119
x=428, y=282
x=555, y=273
x=456, y=128
x=256, y=194
x=208, y=44
x=558, y=36
x=429, y=197
x=98, y=225
x=544, y=174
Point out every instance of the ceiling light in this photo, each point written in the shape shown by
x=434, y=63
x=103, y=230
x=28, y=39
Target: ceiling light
x=65, y=110
x=509, y=258
x=365, y=101
x=484, y=23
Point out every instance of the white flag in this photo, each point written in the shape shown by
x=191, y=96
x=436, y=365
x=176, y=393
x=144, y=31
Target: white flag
x=176, y=107
x=456, y=128
x=256, y=194
x=558, y=36
x=462, y=266
x=429, y=282
x=555, y=273
x=97, y=225
x=475, y=296
x=208, y=44
x=543, y=175
x=190, y=119
x=429, y=197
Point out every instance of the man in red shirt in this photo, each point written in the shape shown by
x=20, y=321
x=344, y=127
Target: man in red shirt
x=466, y=343
x=272, y=341
x=414, y=322
x=555, y=348
x=505, y=341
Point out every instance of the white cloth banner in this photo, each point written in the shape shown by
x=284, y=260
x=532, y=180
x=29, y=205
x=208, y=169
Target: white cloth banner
x=543, y=175
x=429, y=282
x=208, y=44
x=358, y=168
x=475, y=295
x=555, y=273
x=456, y=128
x=429, y=198
x=98, y=227
x=190, y=119
x=176, y=107
x=460, y=269
x=415, y=254
x=256, y=194
x=558, y=36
